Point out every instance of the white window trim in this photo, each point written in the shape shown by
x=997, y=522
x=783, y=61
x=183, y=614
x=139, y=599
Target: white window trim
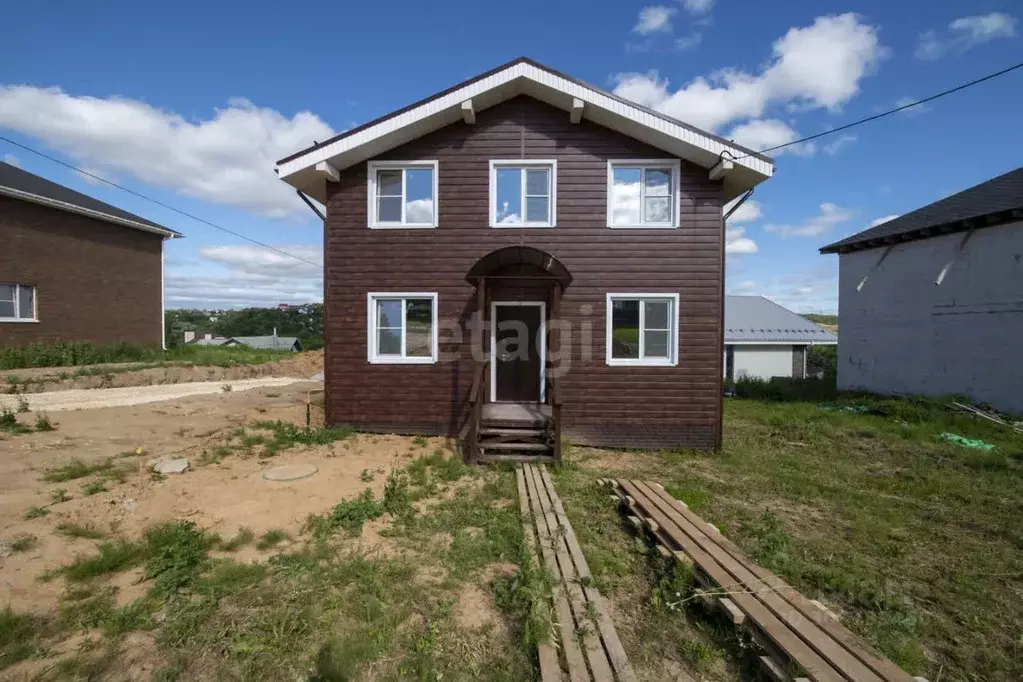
x=552, y=164
x=671, y=360
x=371, y=194
x=674, y=165
x=17, y=303
x=371, y=329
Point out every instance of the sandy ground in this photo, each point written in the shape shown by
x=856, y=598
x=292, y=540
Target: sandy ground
x=84, y=399
x=223, y=497
x=44, y=379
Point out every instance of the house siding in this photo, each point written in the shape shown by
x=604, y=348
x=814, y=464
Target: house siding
x=676, y=406
x=903, y=334
x=94, y=281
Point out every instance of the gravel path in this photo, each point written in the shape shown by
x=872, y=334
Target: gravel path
x=58, y=401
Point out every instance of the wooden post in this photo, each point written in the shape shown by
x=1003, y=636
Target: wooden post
x=555, y=342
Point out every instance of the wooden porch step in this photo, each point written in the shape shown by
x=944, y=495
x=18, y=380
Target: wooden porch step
x=516, y=458
x=515, y=446
x=512, y=432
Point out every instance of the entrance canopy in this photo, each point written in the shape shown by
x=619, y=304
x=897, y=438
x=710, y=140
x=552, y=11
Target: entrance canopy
x=509, y=257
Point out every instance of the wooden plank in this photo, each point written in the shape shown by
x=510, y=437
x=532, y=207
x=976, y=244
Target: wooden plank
x=595, y=655
x=569, y=644
x=613, y=645
x=773, y=627
x=833, y=651
x=550, y=669
x=856, y=646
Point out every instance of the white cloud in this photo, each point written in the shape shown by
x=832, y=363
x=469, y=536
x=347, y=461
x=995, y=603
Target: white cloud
x=419, y=211
x=964, y=33
x=736, y=242
x=883, y=219
x=749, y=211
x=698, y=6
x=813, y=290
x=830, y=215
x=689, y=42
x=654, y=19
x=817, y=66
x=765, y=134
x=836, y=145
x=240, y=276
x=227, y=159
x=12, y=160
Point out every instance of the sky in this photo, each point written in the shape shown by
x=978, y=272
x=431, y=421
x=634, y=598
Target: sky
x=192, y=103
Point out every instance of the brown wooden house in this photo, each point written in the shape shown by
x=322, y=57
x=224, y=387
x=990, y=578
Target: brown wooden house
x=524, y=257
x=74, y=268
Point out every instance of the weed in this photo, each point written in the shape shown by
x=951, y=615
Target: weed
x=287, y=434
x=366, y=476
x=271, y=538
x=19, y=634
x=242, y=538
x=176, y=552
x=59, y=495
x=113, y=556
x=22, y=543
x=420, y=441
x=22, y=404
x=347, y=515
x=9, y=423
x=397, y=496
x=228, y=577
x=75, y=530
x=43, y=423
x=226, y=388
x=35, y=513
x=272, y=395
x=93, y=487
x=76, y=468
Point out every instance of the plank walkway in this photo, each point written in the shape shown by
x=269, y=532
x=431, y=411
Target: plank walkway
x=801, y=640
x=588, y=647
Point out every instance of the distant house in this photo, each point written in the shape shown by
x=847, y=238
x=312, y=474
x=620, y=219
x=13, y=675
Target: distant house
x=288, y=343
x=932, y=302
x=764, y=340
x=73, y=268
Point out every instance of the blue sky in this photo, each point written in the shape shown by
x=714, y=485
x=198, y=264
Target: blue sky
x=193, y=102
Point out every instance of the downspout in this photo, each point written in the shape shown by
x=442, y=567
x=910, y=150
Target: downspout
x=163, y=298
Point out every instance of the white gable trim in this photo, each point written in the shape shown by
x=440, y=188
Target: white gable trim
x=695, y=146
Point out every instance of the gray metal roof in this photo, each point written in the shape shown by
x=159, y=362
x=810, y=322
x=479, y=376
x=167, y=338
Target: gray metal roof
x=266, y=342
x=757, y=319
x=21, y=184
x=991, y=203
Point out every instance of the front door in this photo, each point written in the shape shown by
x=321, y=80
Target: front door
x=518, y=352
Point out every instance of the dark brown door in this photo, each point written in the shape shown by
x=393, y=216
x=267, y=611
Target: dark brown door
x=517, y=365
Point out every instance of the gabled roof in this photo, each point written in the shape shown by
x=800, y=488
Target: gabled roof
x=995, y=202
x=755, y=319
x=307, y=169
x=20, y=184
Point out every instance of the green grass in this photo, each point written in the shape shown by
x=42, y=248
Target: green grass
x=23, y=543
x=35, y=513
x=271, y=538
x=43, y=423
x=903, y=535
x=244, y=537
x=19, y=635
x=58, y=495
x=76, y=353
x=93, y=488
x=76, y=530
x=74, y=469
x=9, y=423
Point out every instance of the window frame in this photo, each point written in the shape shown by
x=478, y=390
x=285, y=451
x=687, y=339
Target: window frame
x=372, y=356
x=523, y=165
x=672, y=165
x=371, y=193
x=17, y=303
x=672, y=359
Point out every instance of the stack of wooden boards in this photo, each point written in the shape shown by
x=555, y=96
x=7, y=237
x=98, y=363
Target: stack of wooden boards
x=801, y=639
x=588, y=646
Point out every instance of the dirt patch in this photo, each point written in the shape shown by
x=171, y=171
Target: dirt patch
x=614, y=461
x=475, y=609
x=130, y=586
x=491, y=571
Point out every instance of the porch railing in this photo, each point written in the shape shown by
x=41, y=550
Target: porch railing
x=479, y=381
x=554, y=400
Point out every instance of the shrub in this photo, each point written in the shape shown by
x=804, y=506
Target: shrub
x=822, y=361
x=43, y=423
x=786, y=389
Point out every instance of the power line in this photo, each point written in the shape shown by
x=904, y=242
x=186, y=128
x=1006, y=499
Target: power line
x=160, y=203
x=889, y=112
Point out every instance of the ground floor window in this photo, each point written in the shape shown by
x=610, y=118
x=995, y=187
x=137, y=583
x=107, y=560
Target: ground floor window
x=402, y=327
x=642, y=329
x=17, y=303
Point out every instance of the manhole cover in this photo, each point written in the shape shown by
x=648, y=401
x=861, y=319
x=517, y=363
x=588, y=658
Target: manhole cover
x=290, y=472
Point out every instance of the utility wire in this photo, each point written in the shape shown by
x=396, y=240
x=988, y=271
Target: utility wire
x=160, y=203
x=889, y=112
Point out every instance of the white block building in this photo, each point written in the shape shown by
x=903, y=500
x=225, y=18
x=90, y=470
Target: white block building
x=932, y=302
x=763, y=340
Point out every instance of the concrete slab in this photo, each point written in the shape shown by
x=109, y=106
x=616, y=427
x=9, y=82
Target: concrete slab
x=290, y=472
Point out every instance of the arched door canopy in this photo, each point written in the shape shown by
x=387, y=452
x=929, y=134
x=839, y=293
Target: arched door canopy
x=495, y=261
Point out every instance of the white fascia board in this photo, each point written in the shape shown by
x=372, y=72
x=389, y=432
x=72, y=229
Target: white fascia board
x=88, y=212
x=687, y=143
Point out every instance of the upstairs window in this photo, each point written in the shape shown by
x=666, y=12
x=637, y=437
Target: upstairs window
x=642, y=193
x=642, y=329
x=17, y=303
x=402, y=194
x=402, y=328
x=523, y=193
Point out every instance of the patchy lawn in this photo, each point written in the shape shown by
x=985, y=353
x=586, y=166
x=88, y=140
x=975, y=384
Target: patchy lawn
x=915, y=543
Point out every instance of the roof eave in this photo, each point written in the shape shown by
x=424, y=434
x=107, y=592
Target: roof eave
x=974, y=223
x=307, y=170
x=88, y=212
